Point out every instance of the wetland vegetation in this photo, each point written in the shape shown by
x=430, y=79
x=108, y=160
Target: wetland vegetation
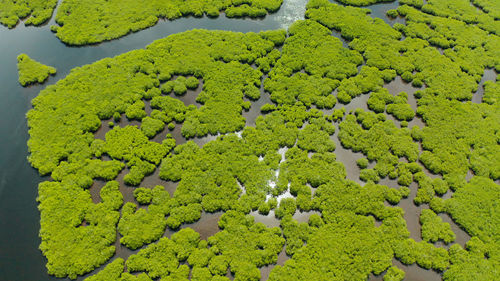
x=37, y=12
x=439, y=151
x=88, y=21
x=31, y=71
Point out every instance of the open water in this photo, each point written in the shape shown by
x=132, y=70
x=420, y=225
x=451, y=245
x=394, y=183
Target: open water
x=20, y=258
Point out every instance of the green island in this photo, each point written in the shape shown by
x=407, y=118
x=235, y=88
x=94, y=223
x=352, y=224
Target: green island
x=37, y=12
x=434, y=141
x=86, y=22
x=31, y=71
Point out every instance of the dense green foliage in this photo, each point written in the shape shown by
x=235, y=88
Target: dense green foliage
x=394, y=274
x=87, y=22
x=424, y=254
x=241, y=245
x=473, y=208
x=31, y=71
x=141, y=226
x=64, y=120
x=246, y=245
x=491, y=92
x=162, y=259
x=332, y=249
x=396, y=105
x=381, y=141
x=115, y=85
x=67, y=212
x=476, y=262
x=434, y=229
x=114, y=271
x=300, y=76
x=39, y=11
x=456, y=149
x=286, y=162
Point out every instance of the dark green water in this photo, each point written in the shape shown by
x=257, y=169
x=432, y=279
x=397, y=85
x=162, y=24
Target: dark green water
x=20, y=258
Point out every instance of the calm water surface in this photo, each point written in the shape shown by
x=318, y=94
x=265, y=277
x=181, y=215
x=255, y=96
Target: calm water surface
x=20, y=258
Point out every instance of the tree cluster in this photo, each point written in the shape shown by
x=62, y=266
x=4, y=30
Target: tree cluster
x=31, y=71
x=87, y=22
x=39, y=12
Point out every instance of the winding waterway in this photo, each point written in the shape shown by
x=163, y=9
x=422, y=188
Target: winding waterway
x=20, y=258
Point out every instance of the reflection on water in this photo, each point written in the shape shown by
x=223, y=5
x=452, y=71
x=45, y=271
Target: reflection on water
x=291, y=11
x=379, y=10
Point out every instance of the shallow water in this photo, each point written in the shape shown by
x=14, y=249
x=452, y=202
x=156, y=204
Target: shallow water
x=20, y=258
x=489, y=75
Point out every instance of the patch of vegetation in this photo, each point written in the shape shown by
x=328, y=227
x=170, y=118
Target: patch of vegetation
x=141, y=226
x=477, y=261
x=245, y=245
x=472, y=207
x=87, y=22
x=114, y=271
x=396, y=105
x=381, y=141
x=205, y=177
x=394, y=274
x=68, y=214
x=163, y=258
x=39, y=11
x=424, y=254
x=434, y=229
x=459, y=137
x=31, y=71
x=300, y=76
x=331, y=250
x=491, y=92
